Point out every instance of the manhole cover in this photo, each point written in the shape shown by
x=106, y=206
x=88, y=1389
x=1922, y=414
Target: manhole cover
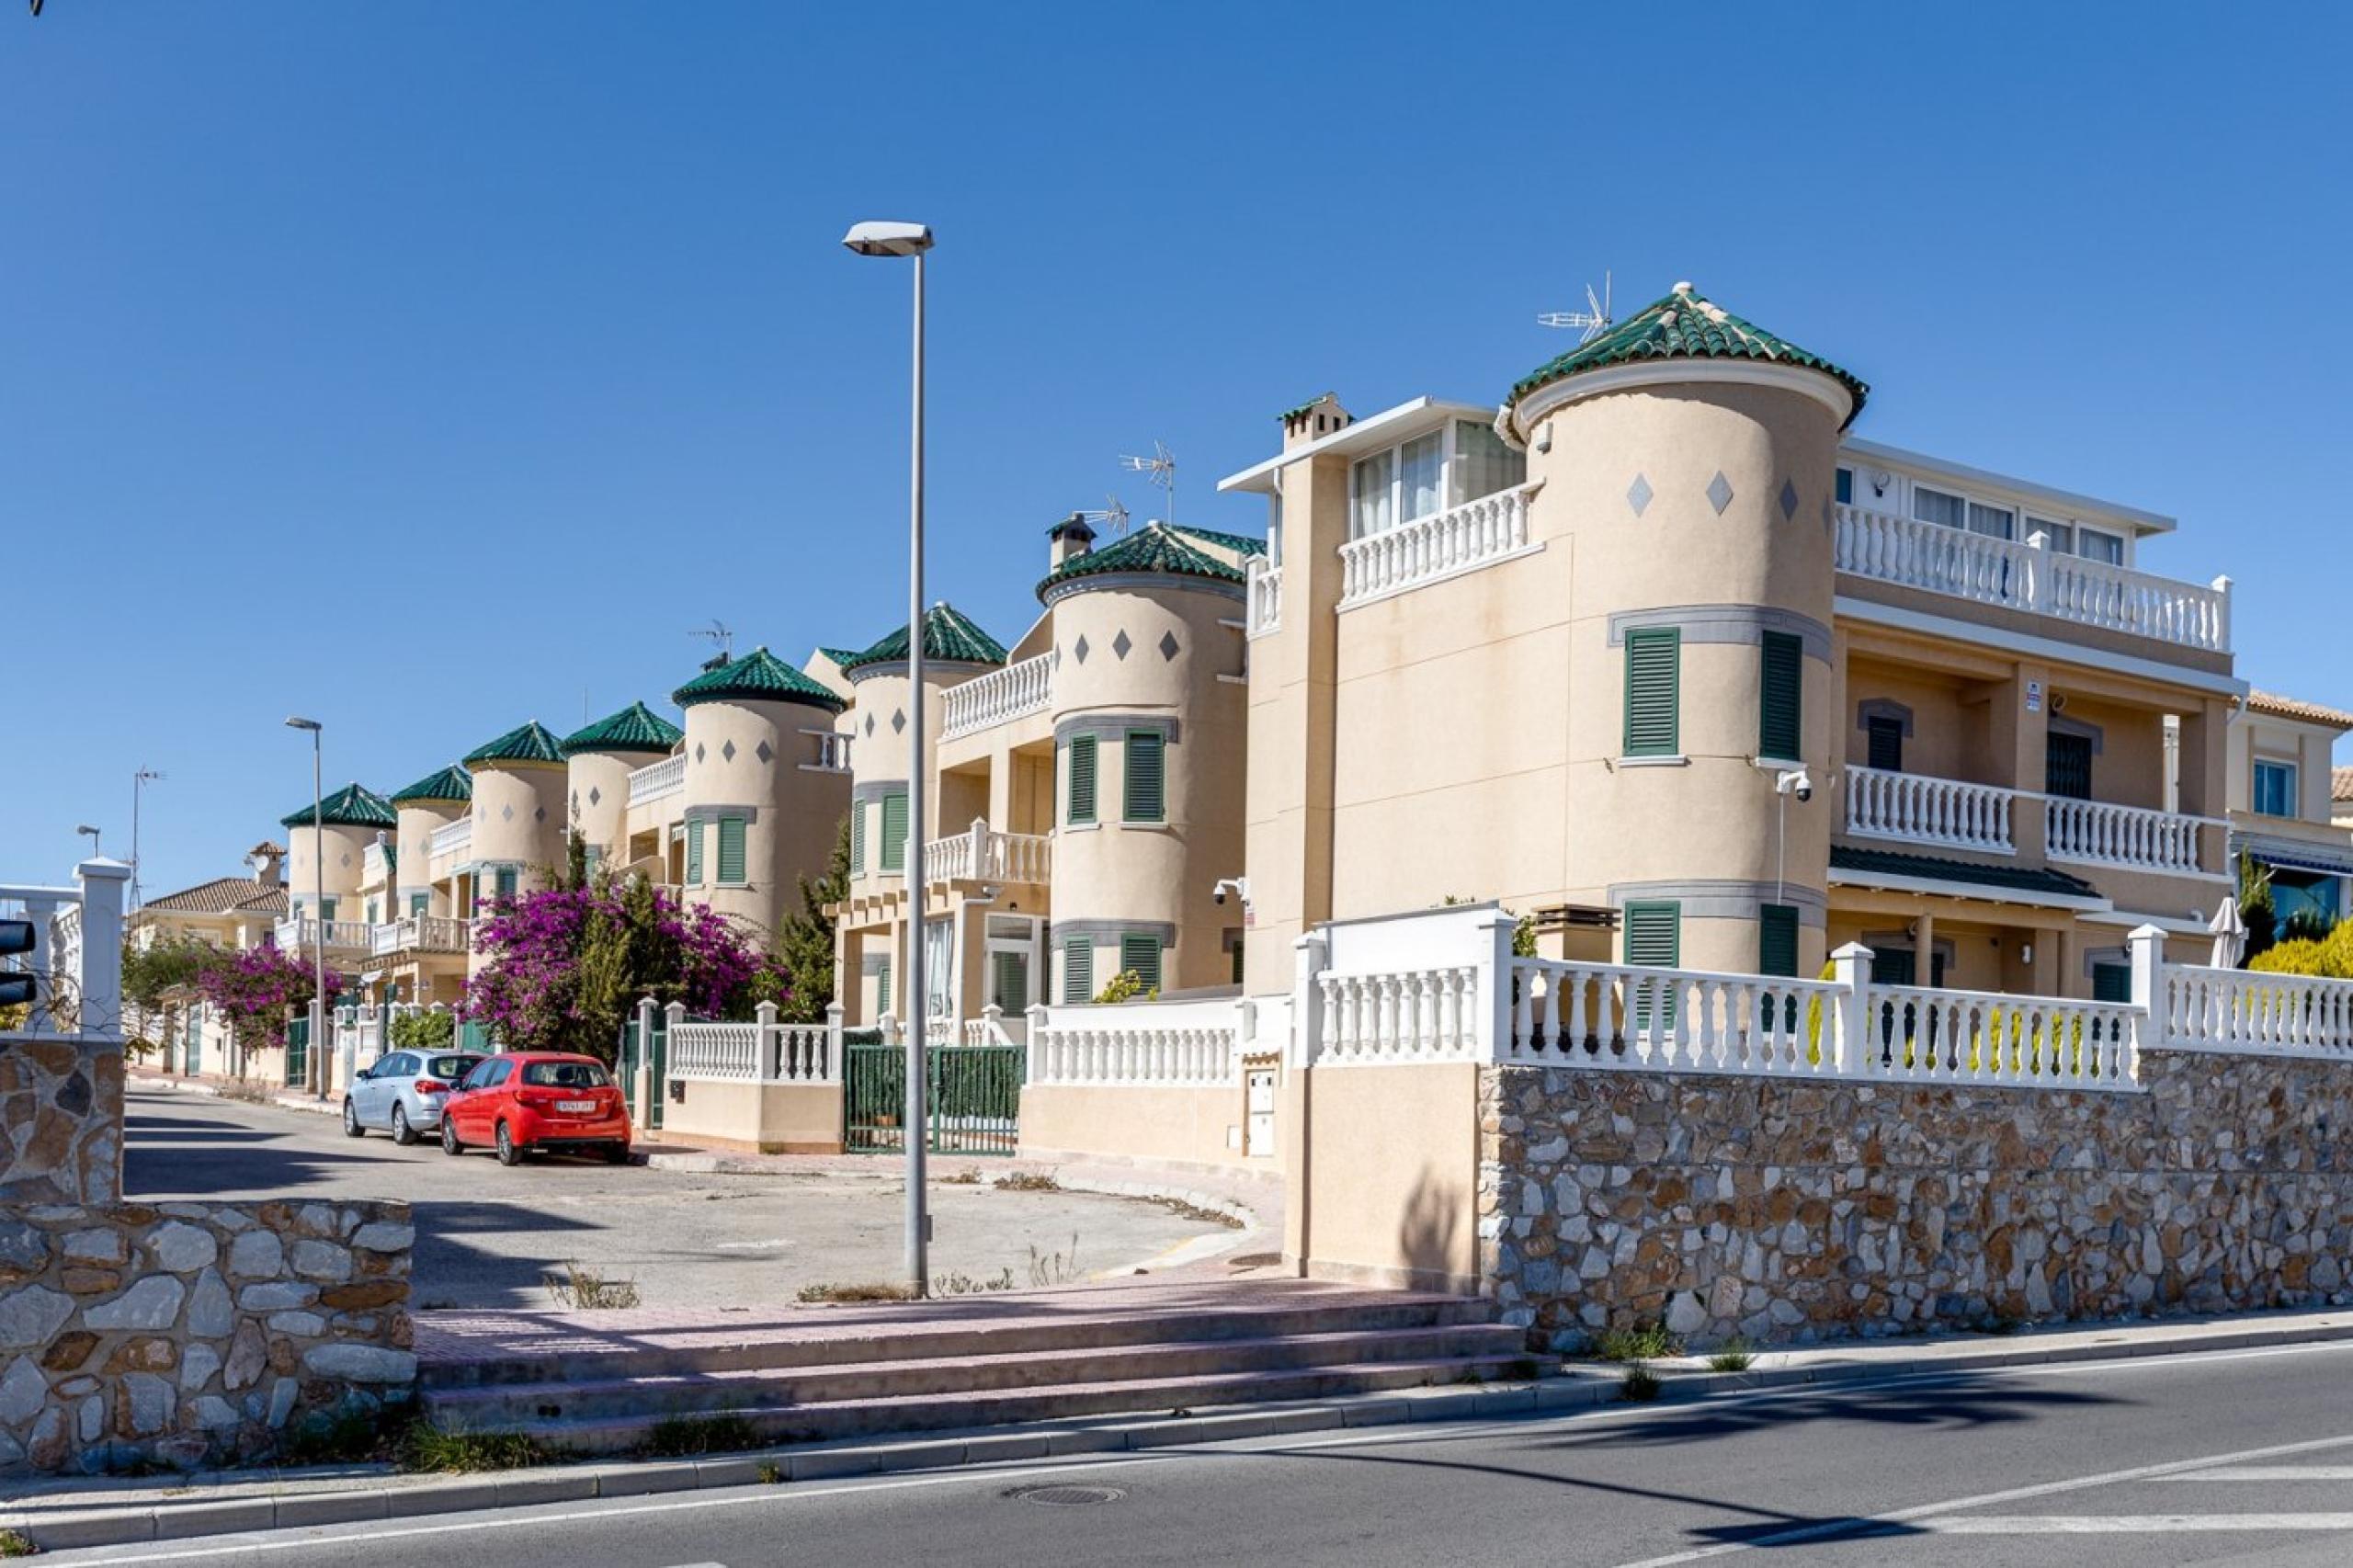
x=1067, y=1496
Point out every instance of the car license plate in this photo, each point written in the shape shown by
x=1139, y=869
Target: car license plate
x=576, y=1108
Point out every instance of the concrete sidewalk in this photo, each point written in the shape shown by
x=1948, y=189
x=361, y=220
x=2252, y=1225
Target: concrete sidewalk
x=106, y=1511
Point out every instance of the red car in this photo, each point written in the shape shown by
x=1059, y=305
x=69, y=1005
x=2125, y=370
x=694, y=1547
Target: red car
x=522, y=1100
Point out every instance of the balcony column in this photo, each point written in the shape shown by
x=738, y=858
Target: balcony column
x=2018, y=743
x=2205, y=769
x=1924, y=948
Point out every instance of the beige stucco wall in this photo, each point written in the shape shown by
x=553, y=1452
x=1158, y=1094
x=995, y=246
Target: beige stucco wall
x=519, y=816
x=2309, y=747
x=794, y=810
x=413, y=841
x=768, y=1118
x=1193, y=1126
x=596, y=797
x=346, y=854
x=1383, y=1173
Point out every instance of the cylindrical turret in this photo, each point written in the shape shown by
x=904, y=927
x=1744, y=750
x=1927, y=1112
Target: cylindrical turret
x=599, y=761
x=431, y=802
x=518, y=810
x=331, y=854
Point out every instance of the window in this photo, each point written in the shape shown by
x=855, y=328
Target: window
x=694, y=853
x=2067, y=768
x=1780, y=703
x=1145, y=790
x=1994, y=522
x=1483, y=463
x=2314, y=893
x=894, y=832
x=1140, y=954
x=1885, y=737
x=1936, y=506
x=857, y=837
x=1082, y=778
x=882, y=988
x=1078, y=969
x=1654, y=939
x=2094, y=545
x=1009, y=979
x=2275, y=789
x=326, y=909
x=1421, y=467
x=2062, y=536
x=731, y=852
x=2112, y=982
x=371, y=911
x=504, y=880
x=1844, y=490
x=565, y=1075
x=1776, y=939
x=1461, y=462
x=1653, y=675
x=1373, y=495
x=420, y=902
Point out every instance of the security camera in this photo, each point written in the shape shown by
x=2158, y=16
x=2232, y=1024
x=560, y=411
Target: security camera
x=1240, y=886
x=1794, y=781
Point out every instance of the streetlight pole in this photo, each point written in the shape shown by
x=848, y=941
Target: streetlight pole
x=894, y=239
x=313, y=1053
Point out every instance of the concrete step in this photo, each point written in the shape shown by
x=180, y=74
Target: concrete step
x=510, y=1405
x=478, y=1349
x=932, y=1411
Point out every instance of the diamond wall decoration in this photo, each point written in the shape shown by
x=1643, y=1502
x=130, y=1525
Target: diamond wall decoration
x=539, y=814
x=1720, y=493
x=1788, y=500
x=764, y=752
x=506, y=814
x=899, y=722
x=1078, y=649
x=596, y=796
x=1120, y=644
x=870, y=723
x=727, y=752
x=1167, y=644
x=1638, y=495
x=697, y=751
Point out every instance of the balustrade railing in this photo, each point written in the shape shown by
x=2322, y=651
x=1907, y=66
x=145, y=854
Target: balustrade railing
x=421, y=933
x=1922, y=1035
x=725, y=1052
x=833, y=750
x=1263, y=592
x=763, y=1051
x=1109, y=1053
x=1424, y=1015
x=991, y=698
x=1921, y=810
x=657, y=780
x=1669, y=1019
x=450, y=839
x=2111, y=834
x=2031, y=577
x=1444, y=544
x=982, y=854
x=302, y=931
x=2247, y=1010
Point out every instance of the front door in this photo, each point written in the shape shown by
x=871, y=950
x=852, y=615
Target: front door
x=2068, y=770
x=1260, y=1142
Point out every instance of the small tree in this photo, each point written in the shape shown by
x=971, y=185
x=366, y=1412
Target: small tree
x=253, y=988
x=803, y=961
x=158, y=978
x=2256, y=910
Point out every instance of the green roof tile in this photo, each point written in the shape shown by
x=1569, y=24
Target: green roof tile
x=350, y=806
x=1156, y=548
x=634, y=728
x=950, y=636
x=840, y=657
x=452, y=783
x=1684, y=325
x=758, y=676
x=532, y=742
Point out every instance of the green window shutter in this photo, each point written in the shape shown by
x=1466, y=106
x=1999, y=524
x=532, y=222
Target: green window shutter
x=694, y=853
x=1082, y=778
x=857, y=837
x=326, y=909
x=1142, y=954
x=730, y=851
x=1009, y=979
x=1146, y=788
x=1776, y=939
x=1654, y=939
x=1078, y=971
x=506, y=879
x=894, y=833
x=1781, y=701
x=1654, y=679
x=882, y=989
x=419, y=903
x=2112, y=982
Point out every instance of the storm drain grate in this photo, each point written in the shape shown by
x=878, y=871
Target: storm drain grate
x=1067, y=1496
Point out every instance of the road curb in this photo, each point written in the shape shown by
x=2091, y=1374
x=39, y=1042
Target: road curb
x=1580, y=1387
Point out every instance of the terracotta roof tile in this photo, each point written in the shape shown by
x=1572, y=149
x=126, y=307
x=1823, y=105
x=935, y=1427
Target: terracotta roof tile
x=2279, y=706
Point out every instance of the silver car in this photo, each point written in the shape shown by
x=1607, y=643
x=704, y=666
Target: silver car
x=402, y=1092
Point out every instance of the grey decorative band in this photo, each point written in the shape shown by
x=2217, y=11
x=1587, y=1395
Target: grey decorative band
x=1142, y=582
x=2080, y=729
x=713, y=812
x=899, y=668
x=1725, y=897
x=1726, y=623
x=873, y=963
x=875, y=789
x=1116, y=726
x=1098, y=930
x=1871, y=707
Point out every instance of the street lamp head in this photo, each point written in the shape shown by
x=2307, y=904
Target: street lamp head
x=312, y=724
x=887, y=238
x=87, y=830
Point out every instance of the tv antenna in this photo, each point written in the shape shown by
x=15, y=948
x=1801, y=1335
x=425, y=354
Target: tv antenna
x=1593, y=319
x=1161, y=468
x=139, y=780
x=719, y=635
x=1114, y=514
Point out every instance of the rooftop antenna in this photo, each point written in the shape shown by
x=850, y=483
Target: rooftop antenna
x=719, y=635
x=1114, y=514
x=139, y=780
x=1595, y=319
x=1161, y=469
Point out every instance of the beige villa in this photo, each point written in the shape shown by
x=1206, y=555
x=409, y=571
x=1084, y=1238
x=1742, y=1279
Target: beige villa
x=228, y=913
x=2283, y=816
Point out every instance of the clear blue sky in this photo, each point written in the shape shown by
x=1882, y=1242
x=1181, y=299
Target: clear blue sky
x=427, y=368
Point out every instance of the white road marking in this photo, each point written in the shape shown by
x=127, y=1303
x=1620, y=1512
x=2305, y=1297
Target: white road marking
x=2125, y=1524
x=2273, y=1472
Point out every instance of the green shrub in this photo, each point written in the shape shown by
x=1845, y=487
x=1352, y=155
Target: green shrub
x=1732, y=1356
x=423, y=1031
x=1640, y=1386
x=1124, y=986
x=1643, y=1342
x=426, y=1449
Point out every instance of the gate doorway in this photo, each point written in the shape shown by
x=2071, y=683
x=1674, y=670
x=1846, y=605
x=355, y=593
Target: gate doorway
x=972, y=1101
x=628, y=1064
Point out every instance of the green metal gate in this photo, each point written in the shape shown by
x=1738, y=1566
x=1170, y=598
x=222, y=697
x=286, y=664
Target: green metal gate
x=972, y=1101
x=475, y=1037
x=297, y=1052
x=628, y=1065
x=192, y=1040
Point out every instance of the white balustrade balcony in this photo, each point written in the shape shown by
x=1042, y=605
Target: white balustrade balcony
x=295, y=932
x=984, y=855
x=450, y=839
x=1916, y=809
x=657, y=780
x=1000, y=694
x=1445, y=544
x=375, y=865
x=2106, y=835
x=1264, y=592
x=2010, y=575
x=833, y=750
x=421, y=934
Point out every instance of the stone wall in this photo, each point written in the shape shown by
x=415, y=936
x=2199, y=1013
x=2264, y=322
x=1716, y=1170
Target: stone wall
x=183, y=1334
x=61, y=1120
x=1789, y=1210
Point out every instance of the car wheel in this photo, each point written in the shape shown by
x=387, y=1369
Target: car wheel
x=351, y=1128
x=509, y=1154
x=403, y=1134
x=450, y=1144
x=616, y=1153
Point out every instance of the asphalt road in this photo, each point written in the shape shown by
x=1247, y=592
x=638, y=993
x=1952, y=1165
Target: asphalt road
x=2240, y=1458
x=487, y=1235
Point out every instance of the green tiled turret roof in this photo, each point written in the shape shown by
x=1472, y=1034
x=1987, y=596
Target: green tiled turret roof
x=634, y=728
x=532, y=742
x=452, y=783
x=1684, y=325
x=840, y=657
x=759, y=676
x=950, y=636
x=351, y=806
x=1157, y=547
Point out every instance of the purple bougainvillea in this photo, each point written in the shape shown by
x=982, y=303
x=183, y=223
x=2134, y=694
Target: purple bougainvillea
x=255, y=987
